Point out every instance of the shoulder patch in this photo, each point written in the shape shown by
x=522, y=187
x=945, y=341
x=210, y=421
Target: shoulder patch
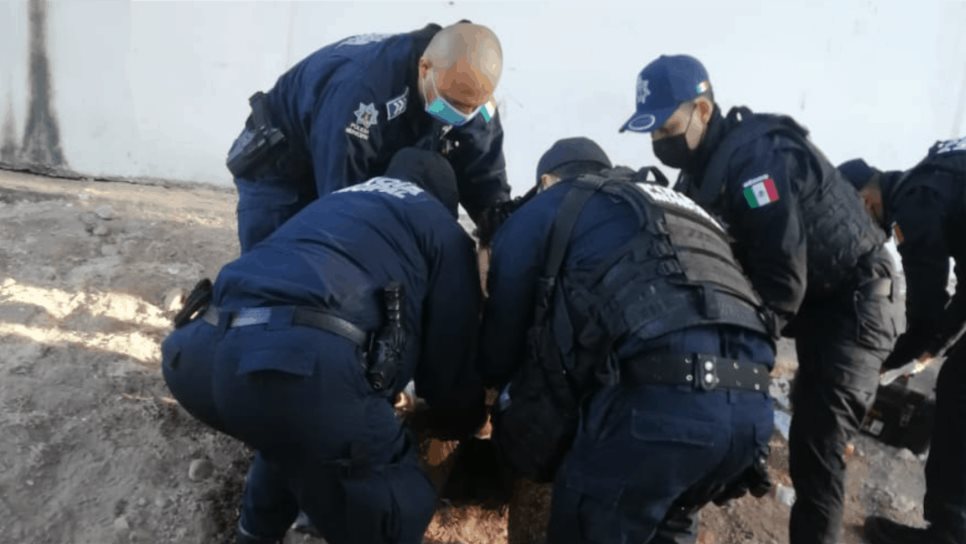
x=397, y=106
x=670, y=198
x=389, y=186
x=366, y=116
x=760, y=191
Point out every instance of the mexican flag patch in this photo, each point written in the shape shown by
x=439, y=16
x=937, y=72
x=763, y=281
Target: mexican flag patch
x=760, y=191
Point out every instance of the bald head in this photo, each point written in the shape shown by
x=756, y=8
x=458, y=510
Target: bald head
x=463, y=63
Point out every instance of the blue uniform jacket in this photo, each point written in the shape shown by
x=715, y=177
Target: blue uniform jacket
x=337, y=254
x=348, y=107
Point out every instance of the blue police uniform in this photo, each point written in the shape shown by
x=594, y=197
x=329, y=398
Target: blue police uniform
x=925, y=208
x=327, y=442
x=808, y=247
x=344, y=111
x=646, y=456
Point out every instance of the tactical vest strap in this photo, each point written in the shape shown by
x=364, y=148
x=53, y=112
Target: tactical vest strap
x=564, y=223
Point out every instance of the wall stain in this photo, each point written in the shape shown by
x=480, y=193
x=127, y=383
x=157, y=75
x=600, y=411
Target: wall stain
x=8, y=137
x=41, y=140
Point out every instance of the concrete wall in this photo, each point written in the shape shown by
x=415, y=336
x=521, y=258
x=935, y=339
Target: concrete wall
x=159, y=89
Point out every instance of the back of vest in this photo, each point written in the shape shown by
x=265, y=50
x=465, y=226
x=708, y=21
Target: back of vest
x=677, y=272
x=947, y=158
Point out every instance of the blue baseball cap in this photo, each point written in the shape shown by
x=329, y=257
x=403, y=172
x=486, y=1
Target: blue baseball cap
x=662, y=86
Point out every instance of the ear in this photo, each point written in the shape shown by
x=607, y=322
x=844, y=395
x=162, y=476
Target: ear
x=424, y=66
x=705, y=108
x=546, y=180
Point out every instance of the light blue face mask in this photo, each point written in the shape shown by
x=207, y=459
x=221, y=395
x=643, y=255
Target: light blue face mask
x=441, y=109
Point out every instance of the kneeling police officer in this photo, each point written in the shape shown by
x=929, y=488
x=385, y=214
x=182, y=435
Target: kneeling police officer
x=310, y=335
x=674, y=410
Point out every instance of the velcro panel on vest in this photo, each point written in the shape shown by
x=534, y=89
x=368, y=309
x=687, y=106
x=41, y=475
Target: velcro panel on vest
x=706, y=257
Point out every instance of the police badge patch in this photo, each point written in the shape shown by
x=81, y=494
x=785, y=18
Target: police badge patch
x=366, y=116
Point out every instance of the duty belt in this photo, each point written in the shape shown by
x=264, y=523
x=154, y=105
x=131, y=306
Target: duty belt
x=294, y=315
x=700, y=371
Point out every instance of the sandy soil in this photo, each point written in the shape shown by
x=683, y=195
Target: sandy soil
x=94, y=450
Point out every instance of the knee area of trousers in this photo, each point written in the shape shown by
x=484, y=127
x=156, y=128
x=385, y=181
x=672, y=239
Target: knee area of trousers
x=393, y=503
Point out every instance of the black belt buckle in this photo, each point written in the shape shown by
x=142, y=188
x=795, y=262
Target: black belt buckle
x=706, y=372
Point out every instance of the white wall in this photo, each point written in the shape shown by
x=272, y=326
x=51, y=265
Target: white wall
x=159, y=89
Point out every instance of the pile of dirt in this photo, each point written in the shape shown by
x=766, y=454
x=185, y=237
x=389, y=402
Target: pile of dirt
x=94, y=450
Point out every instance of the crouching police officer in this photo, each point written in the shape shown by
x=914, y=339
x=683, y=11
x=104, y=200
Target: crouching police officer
x=643, y=287
x=311, y=335
x=338, y=116
x=926, y=210
x=810, y=250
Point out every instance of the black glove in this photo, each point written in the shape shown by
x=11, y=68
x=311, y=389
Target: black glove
x=911, y=344
x=754, y=480
x=493, y=217
x=773, y=322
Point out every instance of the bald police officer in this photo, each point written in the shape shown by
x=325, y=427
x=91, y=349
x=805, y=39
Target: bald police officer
x=337, y=117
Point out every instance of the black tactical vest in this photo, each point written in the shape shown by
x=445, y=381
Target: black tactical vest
x=677, y=272
x=839, y=231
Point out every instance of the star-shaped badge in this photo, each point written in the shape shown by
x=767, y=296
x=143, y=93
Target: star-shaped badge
x=367, y=115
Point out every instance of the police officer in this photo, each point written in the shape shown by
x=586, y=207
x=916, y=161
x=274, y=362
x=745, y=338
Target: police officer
x=311, y=334
x=338, y=116
x=815, y=257
x=664, y=434
x=926, y=210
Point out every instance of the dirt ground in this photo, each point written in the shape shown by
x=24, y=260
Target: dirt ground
x=94, y=450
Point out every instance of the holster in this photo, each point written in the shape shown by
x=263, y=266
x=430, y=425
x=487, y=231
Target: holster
x=195, y=304
x=260, y=143
x=385, y=354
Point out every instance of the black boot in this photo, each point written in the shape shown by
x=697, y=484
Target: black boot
x=879, y=530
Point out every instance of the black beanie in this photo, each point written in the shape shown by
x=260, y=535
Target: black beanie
x=572, y=151
x=430, y=171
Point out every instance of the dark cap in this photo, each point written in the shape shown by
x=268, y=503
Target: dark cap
x=662, y=86
x=857, y=172
x=428, y=169
x=571, y=151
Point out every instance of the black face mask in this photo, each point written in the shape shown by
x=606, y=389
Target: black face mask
x=673, y=151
